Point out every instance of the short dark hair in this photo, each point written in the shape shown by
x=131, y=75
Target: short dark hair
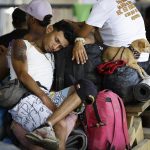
x=46, y=21
x=67, y=30
x=18, y=18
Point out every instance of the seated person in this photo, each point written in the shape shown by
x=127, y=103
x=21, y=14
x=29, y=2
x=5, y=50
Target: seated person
x=20, y=29
x=37, y=22
x=37, y=108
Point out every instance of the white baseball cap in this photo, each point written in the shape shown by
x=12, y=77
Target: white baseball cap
x=37, y=9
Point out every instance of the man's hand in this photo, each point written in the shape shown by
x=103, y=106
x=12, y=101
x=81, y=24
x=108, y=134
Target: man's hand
x=48, y=102
x=3, y=50
x=79, y=53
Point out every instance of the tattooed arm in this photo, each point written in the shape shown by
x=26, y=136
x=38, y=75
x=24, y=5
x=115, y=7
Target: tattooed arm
x=19, y=62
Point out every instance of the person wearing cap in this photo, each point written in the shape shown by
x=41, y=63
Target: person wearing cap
x=39, y=15
x=119, y=22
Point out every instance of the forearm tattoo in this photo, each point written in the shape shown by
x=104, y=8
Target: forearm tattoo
x=19, y=50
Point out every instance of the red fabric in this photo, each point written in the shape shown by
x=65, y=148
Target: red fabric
x=110, y=67
x=114, y=133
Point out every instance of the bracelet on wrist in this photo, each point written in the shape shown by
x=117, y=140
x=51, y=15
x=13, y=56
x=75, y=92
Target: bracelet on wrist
x=80, y=39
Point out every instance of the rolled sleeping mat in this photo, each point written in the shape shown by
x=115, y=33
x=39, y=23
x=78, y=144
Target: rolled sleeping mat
x=77, y=140
x=141, y=91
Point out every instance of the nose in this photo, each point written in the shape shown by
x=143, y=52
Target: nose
x=56, y=47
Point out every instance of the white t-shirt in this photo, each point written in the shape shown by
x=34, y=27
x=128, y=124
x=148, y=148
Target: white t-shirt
x=119, y=22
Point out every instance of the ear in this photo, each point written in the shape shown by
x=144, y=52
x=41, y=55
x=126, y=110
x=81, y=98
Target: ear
x=49, y=28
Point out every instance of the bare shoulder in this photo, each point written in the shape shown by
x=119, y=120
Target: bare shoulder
x=19, y=50
x=19, y=43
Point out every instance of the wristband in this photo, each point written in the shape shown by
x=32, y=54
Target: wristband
x=80, y=39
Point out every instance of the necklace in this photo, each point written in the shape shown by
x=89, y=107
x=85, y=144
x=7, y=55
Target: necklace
x=48, y=56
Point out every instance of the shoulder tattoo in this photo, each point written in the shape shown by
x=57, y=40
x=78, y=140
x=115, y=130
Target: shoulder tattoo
x=19, y=50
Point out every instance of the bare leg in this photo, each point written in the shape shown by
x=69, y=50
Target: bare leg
x=61, y=132
x=71, y=122
x=20, y=135
x=71, y=103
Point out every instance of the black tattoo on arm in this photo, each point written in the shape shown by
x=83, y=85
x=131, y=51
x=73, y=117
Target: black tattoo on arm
x=19, y=50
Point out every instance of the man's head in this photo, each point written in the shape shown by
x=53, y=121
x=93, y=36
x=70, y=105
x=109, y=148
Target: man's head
x=39, y=13
x=60, y=35
x=19, y=18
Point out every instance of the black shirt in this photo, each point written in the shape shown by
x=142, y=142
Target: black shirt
x=16, y=34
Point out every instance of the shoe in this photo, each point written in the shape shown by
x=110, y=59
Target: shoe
x=44, y=136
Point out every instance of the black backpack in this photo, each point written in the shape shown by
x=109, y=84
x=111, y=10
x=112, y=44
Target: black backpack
x=64, y=66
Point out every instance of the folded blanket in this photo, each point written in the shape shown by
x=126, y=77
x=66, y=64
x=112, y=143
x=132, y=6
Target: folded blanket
x=141, y=91
x=77, y=140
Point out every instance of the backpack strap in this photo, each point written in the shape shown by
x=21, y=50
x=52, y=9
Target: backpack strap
x=99, y=121
x=124, y=125
x=116, y=122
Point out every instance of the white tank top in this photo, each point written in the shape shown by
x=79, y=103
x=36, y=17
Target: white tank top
x=40, y=66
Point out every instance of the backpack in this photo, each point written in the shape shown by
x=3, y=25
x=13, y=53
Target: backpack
x=106, y=124
x=65, y=67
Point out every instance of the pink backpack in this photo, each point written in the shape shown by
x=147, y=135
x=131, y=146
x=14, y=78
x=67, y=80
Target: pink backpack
x=106, y=123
